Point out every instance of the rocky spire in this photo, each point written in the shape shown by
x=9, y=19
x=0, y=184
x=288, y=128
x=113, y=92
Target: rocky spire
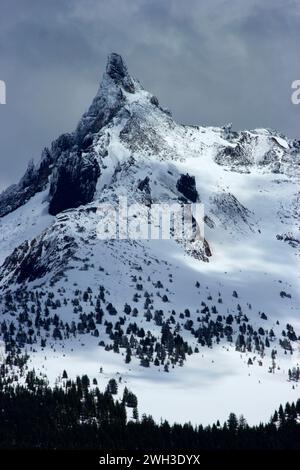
x=117, y=71
x=74, y=174
x=109, y=99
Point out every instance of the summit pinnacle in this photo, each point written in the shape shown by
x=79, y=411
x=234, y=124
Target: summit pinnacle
x=117, y=70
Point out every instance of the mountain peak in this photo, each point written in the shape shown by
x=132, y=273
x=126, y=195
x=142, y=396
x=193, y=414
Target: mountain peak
x=110, y=97
x=115, y=66
x=117, y=71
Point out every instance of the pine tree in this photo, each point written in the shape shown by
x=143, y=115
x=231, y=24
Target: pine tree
x=112, y=387
x=232, y=423
x=242, y=423
x=135, y=414
x=275, y=417
x=128, y=355
x=281, y=415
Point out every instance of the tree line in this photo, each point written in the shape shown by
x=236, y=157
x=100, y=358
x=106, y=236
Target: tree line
x=75, y=414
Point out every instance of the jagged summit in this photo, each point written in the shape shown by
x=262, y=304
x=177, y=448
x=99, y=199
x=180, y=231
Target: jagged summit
x=117, y=70
x=109, y=98
x=70, y=165
x=64, y=162
x=117, y=88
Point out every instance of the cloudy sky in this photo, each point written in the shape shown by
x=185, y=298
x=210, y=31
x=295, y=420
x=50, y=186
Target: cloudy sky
x=210, y=61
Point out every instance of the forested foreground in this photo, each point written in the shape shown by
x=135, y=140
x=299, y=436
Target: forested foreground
x=76, y=414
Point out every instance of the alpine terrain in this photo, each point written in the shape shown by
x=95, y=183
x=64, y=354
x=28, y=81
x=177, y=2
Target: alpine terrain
x=196, y=329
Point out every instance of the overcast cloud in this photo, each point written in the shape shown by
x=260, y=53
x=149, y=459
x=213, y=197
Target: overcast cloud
x=210, y=62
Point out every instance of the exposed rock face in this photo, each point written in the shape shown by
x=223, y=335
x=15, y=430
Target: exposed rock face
x=140, y=137
x=34, y=180
x=186, y=185
x=62, y=144
x=261, y=148
x=117, y=70
x=109, y=99
x=234, y=156
x=230, y=212
x=144, y=185
x=154, y=101
x=33, y=260
x=74, y=181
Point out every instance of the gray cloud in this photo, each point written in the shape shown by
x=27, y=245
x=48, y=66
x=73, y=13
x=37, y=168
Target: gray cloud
x=210, y=62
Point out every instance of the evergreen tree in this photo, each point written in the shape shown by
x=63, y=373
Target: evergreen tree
x=112, y=387
x=232, y=423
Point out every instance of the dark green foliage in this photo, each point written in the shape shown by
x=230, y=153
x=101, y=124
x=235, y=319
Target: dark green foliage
x=112, y=387
x=77, y=416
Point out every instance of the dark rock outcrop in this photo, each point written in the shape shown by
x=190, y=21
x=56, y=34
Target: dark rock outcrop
x=34, y=180
x=145, y=186
x=109, y=99
x=47, y=254
x=234, y=156
x=117, y=70
x=186, y=185
x=74, y=181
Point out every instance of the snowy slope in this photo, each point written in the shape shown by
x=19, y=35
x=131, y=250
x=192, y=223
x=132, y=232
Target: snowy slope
x=213, y=315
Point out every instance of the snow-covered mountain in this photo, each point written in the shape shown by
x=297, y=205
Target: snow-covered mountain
x=195, y=329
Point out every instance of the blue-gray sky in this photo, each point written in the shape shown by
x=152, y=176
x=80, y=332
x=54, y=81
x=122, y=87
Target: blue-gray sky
x=210, y=61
